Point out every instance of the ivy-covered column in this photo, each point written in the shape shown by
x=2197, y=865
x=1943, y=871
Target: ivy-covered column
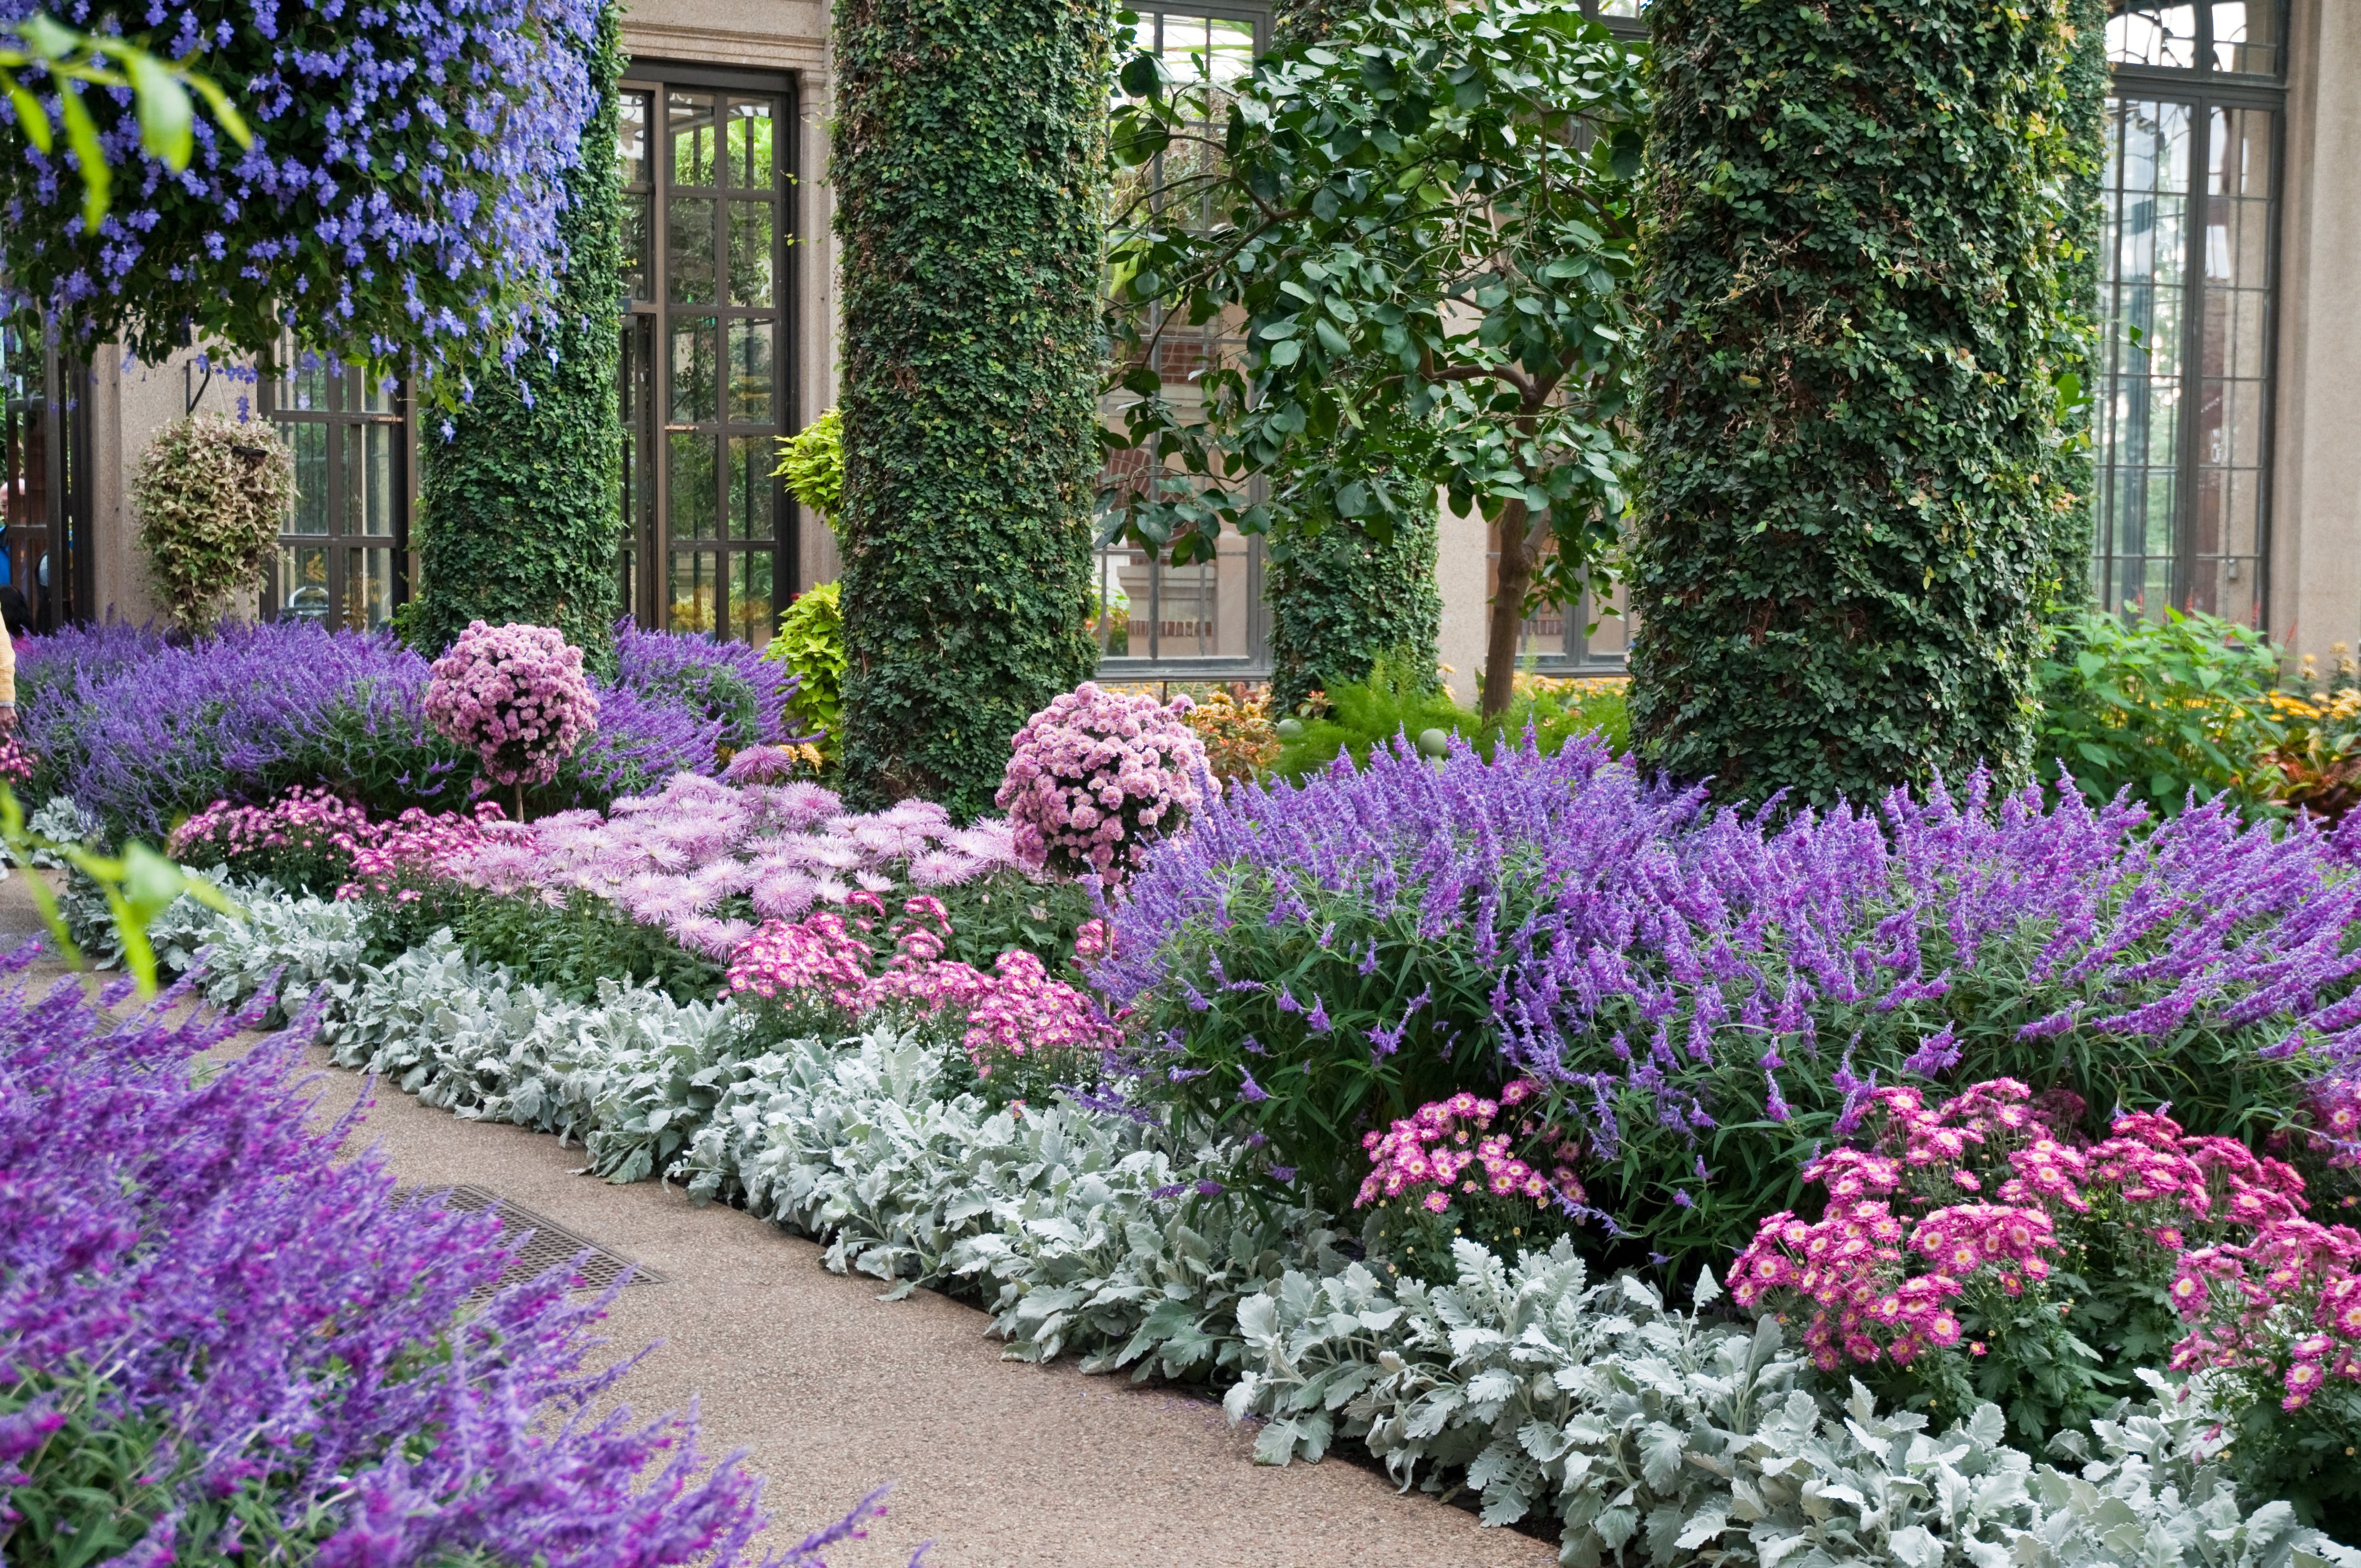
x=1849, y=422
x=2078, y=227
x=970, y=157
x=1341, y=599
x=521, y=506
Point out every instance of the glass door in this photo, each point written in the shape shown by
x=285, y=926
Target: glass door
x=342, y=551
x=706, y=163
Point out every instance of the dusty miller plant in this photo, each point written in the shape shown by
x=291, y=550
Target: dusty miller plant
x=211, y=495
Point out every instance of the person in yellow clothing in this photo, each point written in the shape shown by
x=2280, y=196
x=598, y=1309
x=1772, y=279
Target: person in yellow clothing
x=8, y=680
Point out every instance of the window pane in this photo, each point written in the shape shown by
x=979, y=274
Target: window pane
x=688, y=239
x=2231, y=391
x=2247, y=36
x=303, y=581
x=749, y=144
x=749, y=253
x=695, y=488
x=632, y=138
x=635, y=245
x=751, y=487
x=2144, y=289
x=696, y=392
x=370, y=478
x=368, y=588
x=749, y=596
x=310, y=440
x=696, y=590
x=2148, y=32
x=303, y=389
x=750, y=378
x=690, y=119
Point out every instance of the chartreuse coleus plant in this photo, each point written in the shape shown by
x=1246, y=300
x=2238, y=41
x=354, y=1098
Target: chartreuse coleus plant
x=1424, y=227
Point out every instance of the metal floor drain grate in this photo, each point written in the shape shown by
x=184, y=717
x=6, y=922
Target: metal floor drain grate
x=549, y=1244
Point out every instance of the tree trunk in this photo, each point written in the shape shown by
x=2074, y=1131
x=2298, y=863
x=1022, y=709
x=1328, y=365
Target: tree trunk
x=1508, y=608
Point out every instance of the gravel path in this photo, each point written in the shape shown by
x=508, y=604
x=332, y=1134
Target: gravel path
x=833, y=1391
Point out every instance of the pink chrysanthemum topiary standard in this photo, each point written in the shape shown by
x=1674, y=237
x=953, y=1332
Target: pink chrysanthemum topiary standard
x=518, y=695
x=1097, y=776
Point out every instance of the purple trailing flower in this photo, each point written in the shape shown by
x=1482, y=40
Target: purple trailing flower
x=400, y=205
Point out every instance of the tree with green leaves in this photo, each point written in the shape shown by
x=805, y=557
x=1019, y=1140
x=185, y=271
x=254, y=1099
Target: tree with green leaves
x=1850, y=434
x=521, y=500
x=970, y=168
x=1424, y=229
x=1339, y=600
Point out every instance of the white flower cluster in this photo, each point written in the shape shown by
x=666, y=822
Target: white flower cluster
x=1657, y=1436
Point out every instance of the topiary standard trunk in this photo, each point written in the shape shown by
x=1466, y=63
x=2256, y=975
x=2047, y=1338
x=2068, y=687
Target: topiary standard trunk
x=1848, y=426
x=1341, y=600
x=521, y=507
x=969, y=162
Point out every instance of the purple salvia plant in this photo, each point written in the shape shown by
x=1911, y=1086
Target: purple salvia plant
x=1713, y=986
x=203, y=1255
x=142, y=730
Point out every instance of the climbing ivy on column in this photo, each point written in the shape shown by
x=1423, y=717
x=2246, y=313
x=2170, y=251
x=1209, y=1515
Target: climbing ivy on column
x=1341, y=598
x=968, y=165
x=2083, y=154
x=521, y=501
x=1849, y=430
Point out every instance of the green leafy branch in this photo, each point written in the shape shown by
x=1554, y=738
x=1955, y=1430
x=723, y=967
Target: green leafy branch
x=139, y=885
x=72, y=59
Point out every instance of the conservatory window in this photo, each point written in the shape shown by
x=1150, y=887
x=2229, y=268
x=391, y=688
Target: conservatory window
x=1150, y=619
x=2181, y=426
x=706, y=159
x=344, y=550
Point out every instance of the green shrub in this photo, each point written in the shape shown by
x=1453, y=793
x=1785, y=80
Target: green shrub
x=810, y=641
x=1371, y=713
x=970, y=160
x=2166, y=709
x=1849, y=424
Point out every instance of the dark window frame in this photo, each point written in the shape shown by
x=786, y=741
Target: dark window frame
x=2203, y=89
x=345, y=414
x=650, y=541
